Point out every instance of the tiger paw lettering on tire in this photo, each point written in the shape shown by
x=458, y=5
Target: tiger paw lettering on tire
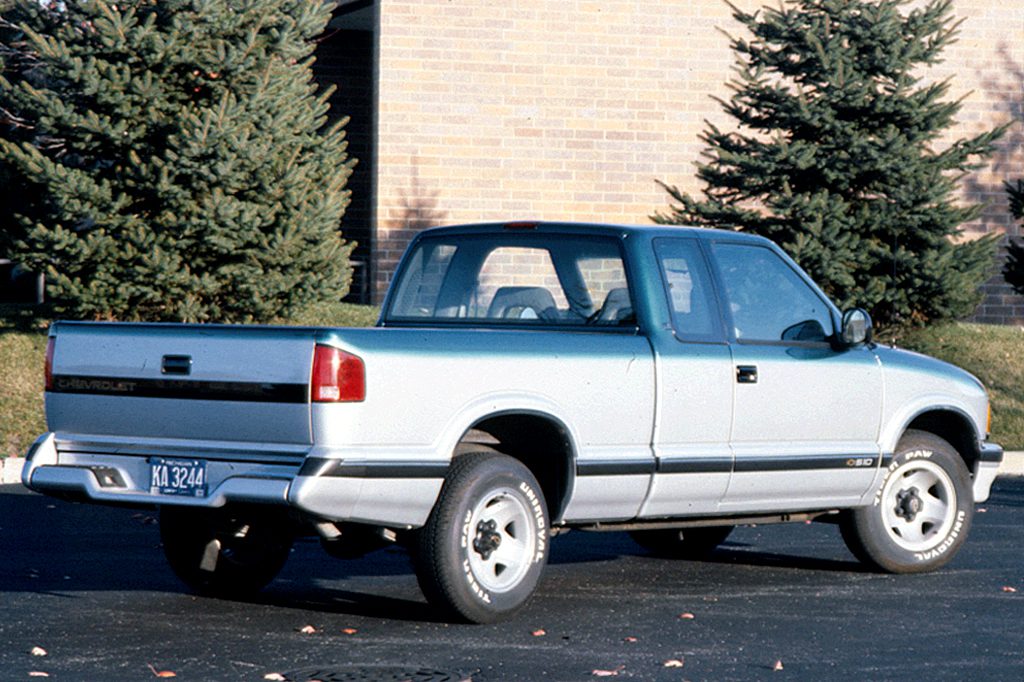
x=483, y=549
x=921, y=512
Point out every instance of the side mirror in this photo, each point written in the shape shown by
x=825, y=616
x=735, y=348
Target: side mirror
x=856, y=327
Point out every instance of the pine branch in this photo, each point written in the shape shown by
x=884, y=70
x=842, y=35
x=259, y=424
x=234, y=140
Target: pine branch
x=833, y=155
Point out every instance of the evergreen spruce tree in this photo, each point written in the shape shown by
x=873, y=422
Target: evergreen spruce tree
x=836, y=158
x=1013, y=271
x=172, y=159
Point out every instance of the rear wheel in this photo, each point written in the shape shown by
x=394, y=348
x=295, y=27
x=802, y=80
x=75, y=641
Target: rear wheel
x=483, y=549
x=229, y=552
x=921, y=512
x=682, y=543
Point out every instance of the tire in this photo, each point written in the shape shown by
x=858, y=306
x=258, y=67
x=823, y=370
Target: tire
x=226, y=552
x=921, y=512
x=482, y=551
x=682, y=543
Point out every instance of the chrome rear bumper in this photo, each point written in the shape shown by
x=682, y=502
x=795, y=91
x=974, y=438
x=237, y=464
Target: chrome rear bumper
x=394, y=493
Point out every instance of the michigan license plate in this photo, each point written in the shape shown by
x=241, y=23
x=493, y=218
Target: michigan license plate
x=177, y=477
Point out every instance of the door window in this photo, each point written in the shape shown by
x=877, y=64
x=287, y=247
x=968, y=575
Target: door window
x=766, y=298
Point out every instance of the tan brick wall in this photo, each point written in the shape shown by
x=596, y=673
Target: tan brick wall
x=987, y=69
x=570, y=109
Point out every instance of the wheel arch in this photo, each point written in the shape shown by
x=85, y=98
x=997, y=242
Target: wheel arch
x=541, y=441
x=953, y=426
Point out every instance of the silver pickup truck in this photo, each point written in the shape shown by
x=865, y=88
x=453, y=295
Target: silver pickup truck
x=524, y=379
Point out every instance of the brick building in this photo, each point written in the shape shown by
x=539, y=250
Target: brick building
x=468, y=110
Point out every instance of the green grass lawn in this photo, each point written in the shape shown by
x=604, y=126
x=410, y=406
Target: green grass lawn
x=21, y=401
x=993, y=354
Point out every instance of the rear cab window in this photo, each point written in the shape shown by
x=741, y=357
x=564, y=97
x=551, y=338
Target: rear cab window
x=532, y=280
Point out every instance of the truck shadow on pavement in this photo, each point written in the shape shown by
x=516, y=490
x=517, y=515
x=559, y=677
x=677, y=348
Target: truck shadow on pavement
x=1007, y=492
x=728, y=555
x=61, y=548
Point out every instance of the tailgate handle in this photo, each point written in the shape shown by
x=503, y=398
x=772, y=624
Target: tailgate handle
x=176, y=364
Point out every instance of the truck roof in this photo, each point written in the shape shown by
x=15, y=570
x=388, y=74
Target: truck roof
x=558, y=227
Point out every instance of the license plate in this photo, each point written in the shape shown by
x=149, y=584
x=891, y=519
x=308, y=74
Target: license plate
x=177, y=477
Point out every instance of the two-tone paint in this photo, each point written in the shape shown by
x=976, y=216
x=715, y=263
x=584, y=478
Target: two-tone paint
x=653, y=425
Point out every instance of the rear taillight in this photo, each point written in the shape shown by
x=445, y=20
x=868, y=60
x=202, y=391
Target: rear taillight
x=48, y=367
x=338, y=377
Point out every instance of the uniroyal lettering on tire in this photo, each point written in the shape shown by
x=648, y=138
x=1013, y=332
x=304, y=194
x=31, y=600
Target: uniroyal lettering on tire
x=921, y=512
x=481, y=553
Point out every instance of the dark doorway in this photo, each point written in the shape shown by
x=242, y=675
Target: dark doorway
x=346, y=58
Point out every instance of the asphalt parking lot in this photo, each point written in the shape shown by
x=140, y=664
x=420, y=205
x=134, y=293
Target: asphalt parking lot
x=89, y=586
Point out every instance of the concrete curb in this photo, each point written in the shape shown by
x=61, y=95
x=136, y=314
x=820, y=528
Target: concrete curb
x=1013, y=465
x=11, y=472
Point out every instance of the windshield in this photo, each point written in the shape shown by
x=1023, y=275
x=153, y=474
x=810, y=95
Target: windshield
x=540, y=280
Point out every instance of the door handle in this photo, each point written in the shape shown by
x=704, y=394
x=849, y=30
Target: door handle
x=746, y=374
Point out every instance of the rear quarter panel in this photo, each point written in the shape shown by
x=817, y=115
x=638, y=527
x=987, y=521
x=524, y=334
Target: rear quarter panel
x=426, y=387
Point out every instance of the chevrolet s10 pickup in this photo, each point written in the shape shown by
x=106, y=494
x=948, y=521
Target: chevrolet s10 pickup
x=524, y=379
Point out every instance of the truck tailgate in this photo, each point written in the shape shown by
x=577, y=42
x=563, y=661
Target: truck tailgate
x=205, y=382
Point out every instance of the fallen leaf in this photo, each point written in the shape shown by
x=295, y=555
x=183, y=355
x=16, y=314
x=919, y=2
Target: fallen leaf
x=614, y=672
x=673, y=663
x=778, y=666
x=38, y=651
x=631, y=640
x=307, y=630
x=349, y=631
x=275, y=677
x=1007, y=588
x=981, y=510
x=686, y=616
x=539, y=633
x=160, y=673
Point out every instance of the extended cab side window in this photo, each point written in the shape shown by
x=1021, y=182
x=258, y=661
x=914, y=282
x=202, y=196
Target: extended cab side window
x=688, y=288
x=766, y=299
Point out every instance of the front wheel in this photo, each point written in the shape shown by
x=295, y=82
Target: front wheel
x=483, y=549
x=920, y=514
x=225, y=552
